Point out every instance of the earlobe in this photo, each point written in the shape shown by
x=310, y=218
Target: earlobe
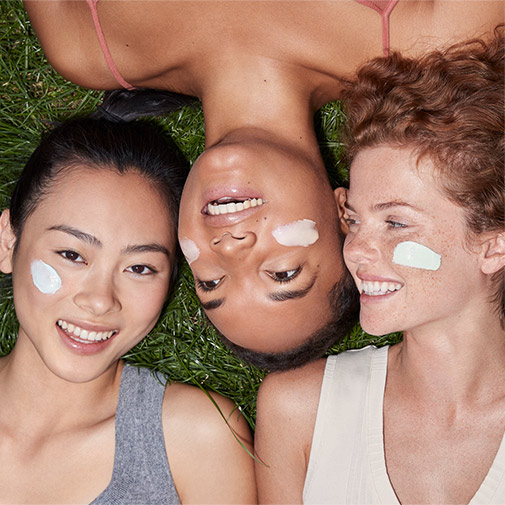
x=7, y=242
x=340, y=195
x=493, y=257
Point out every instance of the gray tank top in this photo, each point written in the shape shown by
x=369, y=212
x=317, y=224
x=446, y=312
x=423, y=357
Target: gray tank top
x=141, y=474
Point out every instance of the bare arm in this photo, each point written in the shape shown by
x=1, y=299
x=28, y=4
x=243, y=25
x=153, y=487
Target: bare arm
x=287, y=408
x=207, y=462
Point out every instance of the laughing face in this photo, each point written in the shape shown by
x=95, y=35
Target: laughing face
x=258, y=226
x=91, y=271
x=407, y=247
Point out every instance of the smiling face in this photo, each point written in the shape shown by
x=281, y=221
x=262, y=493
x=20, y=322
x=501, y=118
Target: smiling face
x=407, y=247
x=110, y=241
x=258, y=225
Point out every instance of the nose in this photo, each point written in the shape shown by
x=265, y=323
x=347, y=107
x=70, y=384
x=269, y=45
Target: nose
x=98, y=295
x=230, y=245
x=361, y=248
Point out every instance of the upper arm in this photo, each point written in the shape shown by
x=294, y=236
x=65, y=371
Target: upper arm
x=206, y=453
x=287, y=408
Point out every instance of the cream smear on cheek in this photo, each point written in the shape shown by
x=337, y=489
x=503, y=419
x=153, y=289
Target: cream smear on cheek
x=189, y=249
x=299, y=233
x=45, y=277
x=412, y=254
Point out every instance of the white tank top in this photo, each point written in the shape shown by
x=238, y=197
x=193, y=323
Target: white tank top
x=347, y=462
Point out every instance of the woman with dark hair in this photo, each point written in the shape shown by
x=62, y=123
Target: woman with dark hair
x=422, y=421
x=90, y=240
x=261, y=70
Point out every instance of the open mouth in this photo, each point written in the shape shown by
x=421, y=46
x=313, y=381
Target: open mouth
x=378, y=288
x=84, y=336
x=228, y=205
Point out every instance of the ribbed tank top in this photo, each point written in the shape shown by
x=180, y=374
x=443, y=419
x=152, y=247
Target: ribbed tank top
x=141, y=473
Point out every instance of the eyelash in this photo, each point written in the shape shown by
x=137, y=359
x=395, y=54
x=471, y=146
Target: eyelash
x=65, y=255
x=395, y=224
x=79, y=259
x=296, y=272
x=150, y=270
x=203, y=284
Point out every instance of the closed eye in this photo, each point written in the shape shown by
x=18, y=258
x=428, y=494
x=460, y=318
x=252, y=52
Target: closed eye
x=285, y=275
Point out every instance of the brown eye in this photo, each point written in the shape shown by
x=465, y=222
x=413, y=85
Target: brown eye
x=208, y=285
x=286, y=275
x=141, y=270
x=73, y=256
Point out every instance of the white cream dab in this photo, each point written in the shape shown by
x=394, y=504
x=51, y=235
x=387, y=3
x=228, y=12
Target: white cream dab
x=299, y=233
x=45, y=277
x=412, y=254
x=189, y=249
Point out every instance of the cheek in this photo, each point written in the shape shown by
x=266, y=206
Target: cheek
x=189, y=249
x=45, y=278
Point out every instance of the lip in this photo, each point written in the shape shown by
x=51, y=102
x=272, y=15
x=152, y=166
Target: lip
x=224, y=220
x=84, y=348
x=376, y=278
x=229, y=191
x=364, y=298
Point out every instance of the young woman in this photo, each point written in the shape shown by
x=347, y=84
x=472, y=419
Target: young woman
x=422, y=421
x=90, y=240
x=261, y=70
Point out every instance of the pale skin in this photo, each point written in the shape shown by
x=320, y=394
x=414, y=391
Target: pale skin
x=59, y=404
x=444, y=398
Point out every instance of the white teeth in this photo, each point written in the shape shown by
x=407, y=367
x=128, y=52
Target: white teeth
x=85, y=336
x=215, y=209
x=376, y=288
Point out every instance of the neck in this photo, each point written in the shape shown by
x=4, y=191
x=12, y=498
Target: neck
x=456, y=363
x=265, y=96
x=33, y=396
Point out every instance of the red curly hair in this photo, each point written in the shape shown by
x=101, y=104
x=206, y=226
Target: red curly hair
x=449, y=106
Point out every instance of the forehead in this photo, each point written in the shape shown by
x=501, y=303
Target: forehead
x=100, y=198
x=384, y=171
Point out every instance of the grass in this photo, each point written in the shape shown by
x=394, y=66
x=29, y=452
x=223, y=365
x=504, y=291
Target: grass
x=183, y=346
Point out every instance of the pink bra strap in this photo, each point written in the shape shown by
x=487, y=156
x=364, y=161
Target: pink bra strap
x=105, y=47
x=385, y=12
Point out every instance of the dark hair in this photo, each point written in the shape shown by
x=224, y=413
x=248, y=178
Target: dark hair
x=344, y=302
x=101, y=143
x=449, y=106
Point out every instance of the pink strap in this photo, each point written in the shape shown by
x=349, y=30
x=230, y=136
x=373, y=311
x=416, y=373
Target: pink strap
x=105, y=47
x=384, y=8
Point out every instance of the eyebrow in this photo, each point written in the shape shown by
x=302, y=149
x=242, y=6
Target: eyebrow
x=385, y=205
x=282, y=296
x=279, y=296
x=84, y=237
x=93, y=241
x=213, y=304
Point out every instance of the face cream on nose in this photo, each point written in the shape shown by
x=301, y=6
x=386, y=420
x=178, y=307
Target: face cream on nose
x=189, y=249
x=299, y=233
x=45, y=277
x=412, y=254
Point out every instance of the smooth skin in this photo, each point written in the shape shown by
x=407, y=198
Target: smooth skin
x=261, y=70
x=114, y=250
x=445, y=394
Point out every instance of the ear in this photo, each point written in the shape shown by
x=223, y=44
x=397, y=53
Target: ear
x=7, y=242
x=340, y=195
x=493, y=257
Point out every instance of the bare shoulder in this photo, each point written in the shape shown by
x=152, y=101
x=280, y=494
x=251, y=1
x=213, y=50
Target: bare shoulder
x=206, y=439
x=286, y=415
x=295, y=391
